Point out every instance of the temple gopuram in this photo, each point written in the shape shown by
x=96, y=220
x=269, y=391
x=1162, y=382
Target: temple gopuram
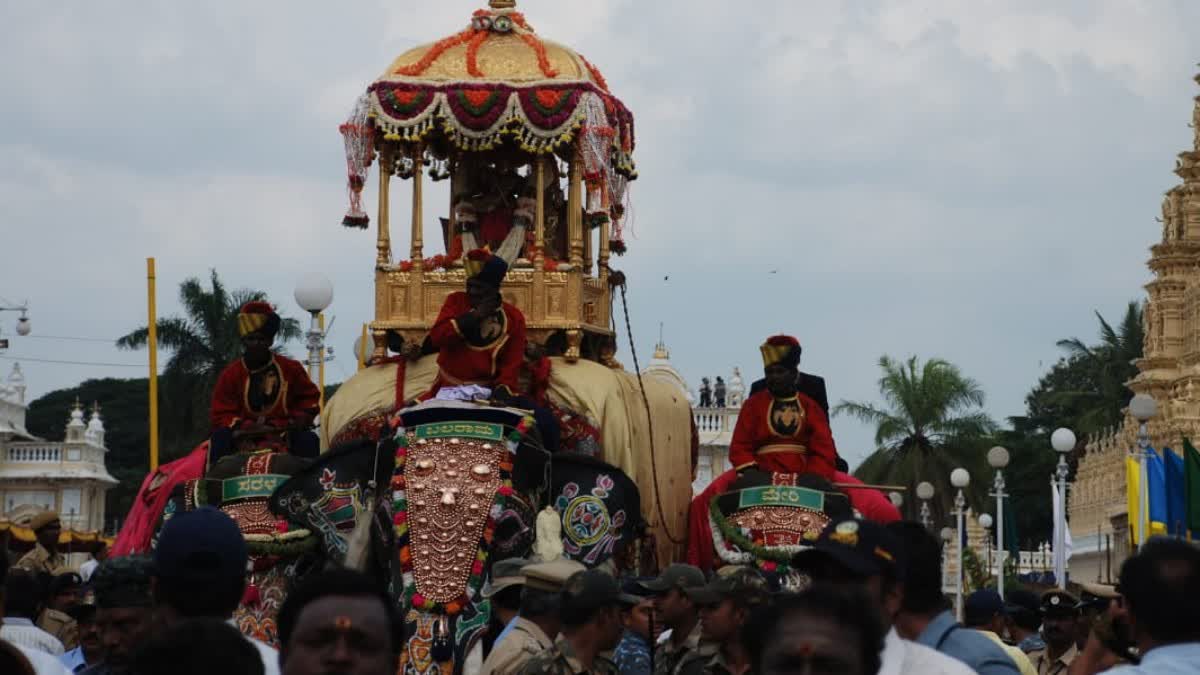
x=1169, y=371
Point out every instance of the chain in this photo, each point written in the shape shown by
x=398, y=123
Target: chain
x=649, y=421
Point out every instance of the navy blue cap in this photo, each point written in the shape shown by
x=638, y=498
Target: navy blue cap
x=981, y=606
x=201, y=544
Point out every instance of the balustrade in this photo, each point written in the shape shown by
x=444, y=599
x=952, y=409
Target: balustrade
x=38, y=454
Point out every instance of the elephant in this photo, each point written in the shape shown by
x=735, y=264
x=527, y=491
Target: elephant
x=652, y=440
x=450, y=488
x=763, y=519
x=280, y=554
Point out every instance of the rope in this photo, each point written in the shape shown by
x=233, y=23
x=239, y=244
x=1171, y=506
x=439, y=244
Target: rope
x=649, y=421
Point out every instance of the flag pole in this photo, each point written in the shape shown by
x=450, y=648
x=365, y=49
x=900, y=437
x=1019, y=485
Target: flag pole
x=152, y=342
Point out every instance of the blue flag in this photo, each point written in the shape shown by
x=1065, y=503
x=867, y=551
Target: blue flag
x=1176, y=494
x=1156, y=489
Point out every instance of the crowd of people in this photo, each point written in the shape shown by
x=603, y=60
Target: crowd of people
x=864, y=598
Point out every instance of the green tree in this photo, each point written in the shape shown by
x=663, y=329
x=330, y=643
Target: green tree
x=930, y=424
x=201, y=344
x=1109, y=365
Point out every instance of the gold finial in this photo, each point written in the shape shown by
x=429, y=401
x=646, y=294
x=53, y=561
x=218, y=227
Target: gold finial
x=502, y=4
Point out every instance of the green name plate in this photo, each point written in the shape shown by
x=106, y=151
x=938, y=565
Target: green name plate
x=782, y=495
x=259, y=485
x=478, y=430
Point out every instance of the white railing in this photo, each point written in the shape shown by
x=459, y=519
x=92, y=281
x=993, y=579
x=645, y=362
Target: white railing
x=35, y=454
x=714, y=420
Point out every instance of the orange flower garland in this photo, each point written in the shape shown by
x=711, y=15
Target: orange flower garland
x=595, y=72
x=540, y=49
x=473, y=53
x=439, y=48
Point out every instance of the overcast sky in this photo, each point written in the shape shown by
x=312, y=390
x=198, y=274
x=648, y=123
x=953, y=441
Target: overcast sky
x=967, y=179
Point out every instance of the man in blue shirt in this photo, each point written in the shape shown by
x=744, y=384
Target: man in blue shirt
x=923, y=615
x=90, y=651
x=1023, y=610
x=1159, y=587
x=632, y=654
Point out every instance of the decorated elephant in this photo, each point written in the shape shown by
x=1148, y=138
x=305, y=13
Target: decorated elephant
x=601, y=411
x=280, y=554
x=763, y=519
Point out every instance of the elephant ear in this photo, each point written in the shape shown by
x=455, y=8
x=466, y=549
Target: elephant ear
x=600, y=507
x=330, y=496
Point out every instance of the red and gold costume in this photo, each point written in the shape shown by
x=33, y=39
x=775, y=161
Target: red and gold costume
x=280, y=393
x=489, y=352
x=783, y=435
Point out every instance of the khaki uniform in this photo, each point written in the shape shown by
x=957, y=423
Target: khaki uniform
x=39, y=560
x=669, y=657
x=560, y=660
x=61, y=626
x=1045, y=666
x=522, y=643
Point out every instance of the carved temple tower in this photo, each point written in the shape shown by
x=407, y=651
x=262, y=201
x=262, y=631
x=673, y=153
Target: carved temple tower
x=1169, y=371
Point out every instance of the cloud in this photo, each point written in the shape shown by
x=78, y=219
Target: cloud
x=965, y=180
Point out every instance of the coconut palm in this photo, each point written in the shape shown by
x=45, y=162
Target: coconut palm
x=1110, y=364
x=930, y=423
x=201, y=343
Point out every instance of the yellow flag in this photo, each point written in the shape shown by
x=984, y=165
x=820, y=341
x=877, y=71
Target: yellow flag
x=1133, y=498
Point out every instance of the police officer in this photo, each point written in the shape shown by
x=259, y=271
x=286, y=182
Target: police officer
x=44, y=558
x=65, y=593
x=590, y=616
x=1059, y=624
x=725, y=606
x=537, y=622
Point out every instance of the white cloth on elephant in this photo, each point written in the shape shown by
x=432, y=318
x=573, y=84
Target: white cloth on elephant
x=465, y=392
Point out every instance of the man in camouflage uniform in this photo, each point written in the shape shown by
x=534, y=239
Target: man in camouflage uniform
x=678, y=613
x=590, y=616
x=66, y=590
x=533, y=630
x=44, y=558
x=725, y=605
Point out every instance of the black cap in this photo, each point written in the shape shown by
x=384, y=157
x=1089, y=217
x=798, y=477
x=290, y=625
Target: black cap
x=632, y=590
x=68, y=581
x=200, y=545
x=1021, y=601
x=591, y=590
x=981, y=606
x=1059, y=603
x=862, y=547
x=677, y=575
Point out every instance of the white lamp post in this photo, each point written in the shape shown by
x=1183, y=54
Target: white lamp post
x=1142, y=407
x=960, y=479
x=985, y=521
x=314, y=293
x=925, y=493
x=998, y=459
x=23, y=323
x=1063, y=441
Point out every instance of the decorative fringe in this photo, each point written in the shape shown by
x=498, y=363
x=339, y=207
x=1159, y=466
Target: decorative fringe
x=357, y=136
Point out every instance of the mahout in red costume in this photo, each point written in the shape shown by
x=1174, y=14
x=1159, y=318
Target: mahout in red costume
x=779, y=429
x=263, y=393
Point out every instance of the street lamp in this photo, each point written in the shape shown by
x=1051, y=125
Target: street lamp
x=1142, y=407
x=925, y=493
x=314, y=293
x=1063, y=441
x=998, y=459
x=985, y=521
x=960, y=479
x=23, y=323
x=896, y=498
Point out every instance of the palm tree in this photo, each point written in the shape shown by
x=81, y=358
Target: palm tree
x=930, y=424
x=1111, y=365
x=201, y=345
